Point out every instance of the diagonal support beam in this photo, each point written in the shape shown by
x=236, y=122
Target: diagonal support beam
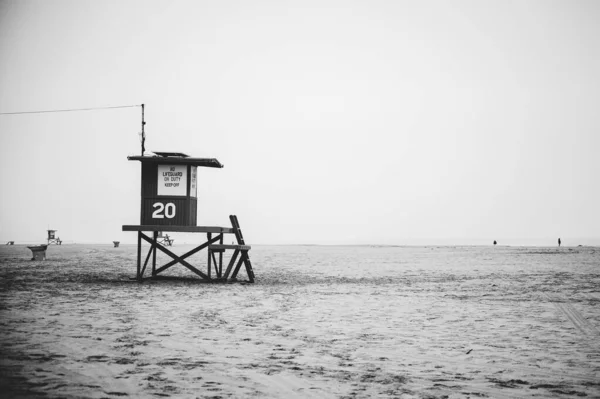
x=186, y=255
x=152, y=250
x=245, y=260
x=231, y=263
x=248, y=267
x=180, y=259
x=217, y=265
x=237, y=267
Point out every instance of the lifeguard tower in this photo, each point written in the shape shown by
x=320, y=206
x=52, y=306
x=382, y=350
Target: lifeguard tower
x=52, y=239
x=169, y=204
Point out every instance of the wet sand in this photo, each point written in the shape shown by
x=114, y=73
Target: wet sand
x=320, y=322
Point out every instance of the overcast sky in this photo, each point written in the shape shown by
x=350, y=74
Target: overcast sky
x=353, y=122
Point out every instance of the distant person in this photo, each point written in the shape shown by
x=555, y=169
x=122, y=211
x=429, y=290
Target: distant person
x=559, y=241
x=495, y=242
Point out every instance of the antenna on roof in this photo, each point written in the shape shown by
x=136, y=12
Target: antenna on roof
x=143, y=133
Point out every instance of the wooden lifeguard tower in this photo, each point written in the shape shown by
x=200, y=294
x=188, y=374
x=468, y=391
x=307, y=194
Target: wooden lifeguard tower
x=169, y=204
x=52, y=239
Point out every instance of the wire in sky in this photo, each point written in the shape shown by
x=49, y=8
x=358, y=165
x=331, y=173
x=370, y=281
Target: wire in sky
x=68, y=110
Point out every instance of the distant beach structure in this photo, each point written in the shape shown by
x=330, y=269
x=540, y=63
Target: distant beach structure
x=165, y=240
x=38, y=251
x=52, y=239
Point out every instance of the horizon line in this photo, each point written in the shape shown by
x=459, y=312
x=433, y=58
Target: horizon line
x=185, y=243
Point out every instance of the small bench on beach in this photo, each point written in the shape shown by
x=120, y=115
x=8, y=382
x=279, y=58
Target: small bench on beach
x=39, y=251
x=10, y=243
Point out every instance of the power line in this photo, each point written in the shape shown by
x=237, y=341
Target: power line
x=143, y=134
x=68, y=110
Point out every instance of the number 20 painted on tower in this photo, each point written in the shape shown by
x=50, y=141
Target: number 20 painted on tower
x=163, y=210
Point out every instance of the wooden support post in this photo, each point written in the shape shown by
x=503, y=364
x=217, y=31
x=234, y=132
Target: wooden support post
x=154, y=237
x=209, y=236
x=221, y=257
x=139, y=257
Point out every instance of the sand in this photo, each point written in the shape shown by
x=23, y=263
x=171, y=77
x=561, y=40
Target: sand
x=320, y=322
